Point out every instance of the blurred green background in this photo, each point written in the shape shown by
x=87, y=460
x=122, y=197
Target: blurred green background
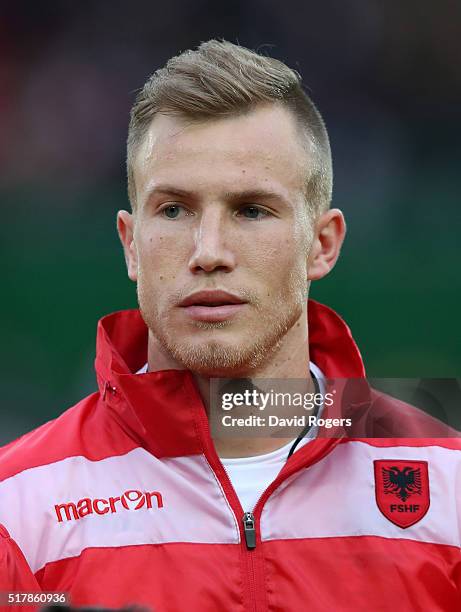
x=387, y=82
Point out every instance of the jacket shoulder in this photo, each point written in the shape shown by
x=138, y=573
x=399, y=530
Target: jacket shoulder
x=86, y=429
x=389, y=417
x=15, y=574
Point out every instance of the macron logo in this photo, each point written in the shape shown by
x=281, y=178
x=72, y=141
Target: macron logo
x=130, y=500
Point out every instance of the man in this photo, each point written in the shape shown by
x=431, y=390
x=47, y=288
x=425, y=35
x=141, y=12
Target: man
x=128, y=497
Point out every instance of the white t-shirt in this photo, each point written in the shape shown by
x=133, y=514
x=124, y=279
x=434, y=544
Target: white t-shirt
x=250, y=476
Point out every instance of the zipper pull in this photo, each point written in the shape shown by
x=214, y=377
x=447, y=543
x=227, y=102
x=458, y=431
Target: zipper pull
x=249, y=529
x=108, y=387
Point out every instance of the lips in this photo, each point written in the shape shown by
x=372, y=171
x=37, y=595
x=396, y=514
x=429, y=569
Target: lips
x=212, y=306
x=211, y=299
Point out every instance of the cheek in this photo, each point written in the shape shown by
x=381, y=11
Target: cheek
x=160, y=257
x=276, y=259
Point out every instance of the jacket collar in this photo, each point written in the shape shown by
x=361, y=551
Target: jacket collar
x=163, y=410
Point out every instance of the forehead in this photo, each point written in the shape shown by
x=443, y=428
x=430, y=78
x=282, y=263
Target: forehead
x=263, y=148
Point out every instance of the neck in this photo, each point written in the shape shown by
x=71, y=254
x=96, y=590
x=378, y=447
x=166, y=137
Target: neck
x=289, y=361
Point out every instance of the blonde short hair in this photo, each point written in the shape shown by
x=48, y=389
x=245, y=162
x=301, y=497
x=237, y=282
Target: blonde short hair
x=220, y=79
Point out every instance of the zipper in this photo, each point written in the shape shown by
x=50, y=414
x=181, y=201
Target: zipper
x=248, y=536
x=251, y=554
x=249, y=530
x=108, y=387
x=249, y=527
x=249, y=524
x=254, y=561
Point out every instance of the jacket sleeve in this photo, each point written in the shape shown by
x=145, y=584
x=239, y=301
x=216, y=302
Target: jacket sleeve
x=15, y=573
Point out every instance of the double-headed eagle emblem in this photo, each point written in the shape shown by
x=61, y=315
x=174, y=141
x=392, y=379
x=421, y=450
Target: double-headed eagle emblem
x=402, y=483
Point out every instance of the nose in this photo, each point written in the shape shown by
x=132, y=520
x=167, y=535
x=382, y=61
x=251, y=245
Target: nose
x=211, y=240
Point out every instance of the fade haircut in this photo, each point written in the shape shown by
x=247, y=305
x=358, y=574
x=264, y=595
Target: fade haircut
x=220, y=79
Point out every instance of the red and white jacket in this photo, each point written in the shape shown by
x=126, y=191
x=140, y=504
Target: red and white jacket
x=123, y=499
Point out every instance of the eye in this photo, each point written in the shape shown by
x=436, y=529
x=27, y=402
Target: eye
x=171, y=211
x=254, y=212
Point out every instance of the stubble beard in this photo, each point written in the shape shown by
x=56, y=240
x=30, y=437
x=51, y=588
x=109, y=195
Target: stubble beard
x=218, y=358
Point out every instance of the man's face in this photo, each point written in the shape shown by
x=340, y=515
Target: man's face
x=220, y=206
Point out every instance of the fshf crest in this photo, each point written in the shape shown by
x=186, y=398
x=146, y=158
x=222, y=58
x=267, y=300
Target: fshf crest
x=402, y=490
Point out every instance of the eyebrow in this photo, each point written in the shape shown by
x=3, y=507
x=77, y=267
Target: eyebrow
x=254, y=194
x=167, y=190
x=247, y=194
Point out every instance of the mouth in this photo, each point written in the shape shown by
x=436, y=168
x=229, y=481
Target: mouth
x=212, y=305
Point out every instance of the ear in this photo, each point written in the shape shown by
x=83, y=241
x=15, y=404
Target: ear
x=125, y=227
x=329, y=234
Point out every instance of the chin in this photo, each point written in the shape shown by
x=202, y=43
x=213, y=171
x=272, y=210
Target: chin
x=226, y=359
x=225, y=349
